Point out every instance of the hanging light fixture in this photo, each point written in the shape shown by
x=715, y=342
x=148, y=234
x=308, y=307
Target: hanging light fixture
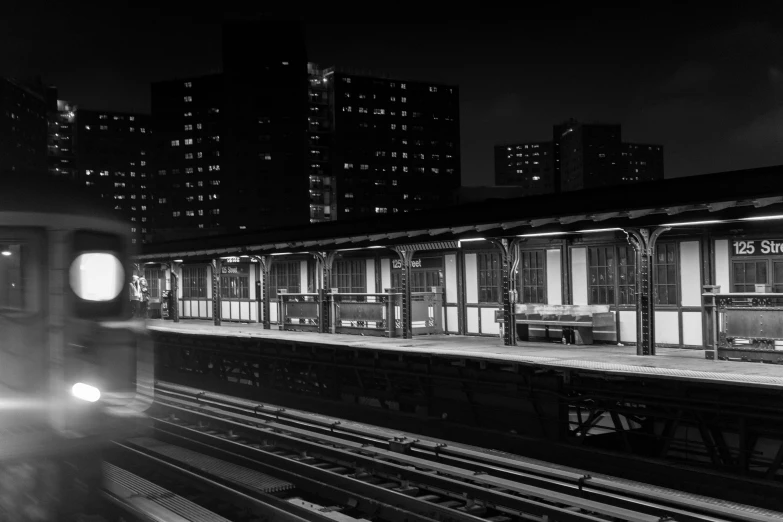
x=5, y=250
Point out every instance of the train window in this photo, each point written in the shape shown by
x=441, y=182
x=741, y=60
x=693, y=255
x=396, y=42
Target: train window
x=16, y=273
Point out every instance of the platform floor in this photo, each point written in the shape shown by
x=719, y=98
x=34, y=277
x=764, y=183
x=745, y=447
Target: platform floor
x=670, y=363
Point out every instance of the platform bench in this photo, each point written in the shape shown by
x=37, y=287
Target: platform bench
x=576, y=321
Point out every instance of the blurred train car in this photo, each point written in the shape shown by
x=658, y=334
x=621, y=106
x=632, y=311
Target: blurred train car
x=73, y=367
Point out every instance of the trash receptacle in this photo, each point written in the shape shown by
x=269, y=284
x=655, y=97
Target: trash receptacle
x=165, y=305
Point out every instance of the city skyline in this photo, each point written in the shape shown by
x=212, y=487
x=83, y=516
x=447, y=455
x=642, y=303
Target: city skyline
x=709, y=92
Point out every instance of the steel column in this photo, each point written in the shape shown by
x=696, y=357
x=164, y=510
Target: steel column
x=406, y=256
x=174, y=292
x=326, y=259
x=266, y=269
x=509, y=261
x=216, y=308
x=643, y=243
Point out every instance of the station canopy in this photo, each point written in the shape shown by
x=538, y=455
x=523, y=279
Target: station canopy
x=689, y=202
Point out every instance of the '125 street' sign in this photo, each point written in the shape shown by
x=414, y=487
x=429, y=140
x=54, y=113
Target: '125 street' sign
x=758, y=247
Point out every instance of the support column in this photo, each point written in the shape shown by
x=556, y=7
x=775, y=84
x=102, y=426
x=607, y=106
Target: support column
x=643, y=242
x=174, y=292
x=216, y=308
x=266, y=269
x=509, y=260
x=326, y=259
x=406, y=256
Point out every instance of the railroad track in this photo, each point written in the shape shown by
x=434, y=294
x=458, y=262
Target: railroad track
x=328, y=469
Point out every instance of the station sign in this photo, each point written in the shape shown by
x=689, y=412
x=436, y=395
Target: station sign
x=427, y=262
x=234, y=270
x=757, y=247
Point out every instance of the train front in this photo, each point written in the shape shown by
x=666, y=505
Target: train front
x=75, y=371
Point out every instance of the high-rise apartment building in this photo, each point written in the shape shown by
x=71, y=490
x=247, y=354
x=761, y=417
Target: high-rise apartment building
x=395, y=144
x=188, y=170
x=61, y=137
x=526, y=165
x=23, y=128
x=641, y=162
x=319, y=136
x=231, y=149
x=580, y=156
x=114, y=162
x=265, y=125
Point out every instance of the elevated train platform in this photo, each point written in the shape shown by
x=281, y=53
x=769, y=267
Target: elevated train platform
x=676, y=420
x=669, y=363
x=397, y=322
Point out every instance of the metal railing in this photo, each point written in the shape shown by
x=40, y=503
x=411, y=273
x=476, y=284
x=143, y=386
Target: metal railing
x=378, y=314
x=746, y=325
x=301, y=311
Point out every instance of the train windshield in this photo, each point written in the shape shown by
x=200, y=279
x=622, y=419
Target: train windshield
x=97, y=277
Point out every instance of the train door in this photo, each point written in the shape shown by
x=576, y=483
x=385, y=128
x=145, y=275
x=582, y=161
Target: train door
x=23, y=346
x=156, y=284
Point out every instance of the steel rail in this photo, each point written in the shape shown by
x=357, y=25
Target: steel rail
x=443, y=478
x=626, y=493
x=273, y=509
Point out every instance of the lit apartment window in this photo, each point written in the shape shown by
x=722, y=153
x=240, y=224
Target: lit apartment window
x=188, y=85
x=188, y=99
x=189, y=213
x=364, y=167
x=379, y=111
x=175, y=143
x=189, y=155
x=404, y=99
x=348, y=166
x=104, y=127
x=87, y=127
x=188, y=127
x=198, y=125
x=393, y=126
x=266, y=156
x=200, y=212
x=433, y=89
x=348, y=194
x=88, y=172
x=380, y=210
x=188, y=141
x=189, y=170
x=104, y=173
x=188, y=114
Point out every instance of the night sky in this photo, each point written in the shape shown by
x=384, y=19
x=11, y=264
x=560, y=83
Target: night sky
x=704, y=82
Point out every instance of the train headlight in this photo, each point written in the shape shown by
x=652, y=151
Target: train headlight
x=85, y=392
x=97, y=276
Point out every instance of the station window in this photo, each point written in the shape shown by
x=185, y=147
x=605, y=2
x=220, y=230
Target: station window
x=154, y=276
x=533, y=277
x=489, y=279
x=666, y=274
x=612, y=275
x=194, y=282
x=284, y=275
x=235, y=286
x=747, y=274
x=350, y=276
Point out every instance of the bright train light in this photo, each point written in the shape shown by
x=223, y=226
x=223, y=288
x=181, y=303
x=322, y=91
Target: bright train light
x=85, y=392
x=97, y=276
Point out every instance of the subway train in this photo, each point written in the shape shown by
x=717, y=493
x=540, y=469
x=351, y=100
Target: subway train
x=75, y=371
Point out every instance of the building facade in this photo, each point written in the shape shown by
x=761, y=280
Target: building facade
x=526, y=165
x=114, y=162
x=580, y=156
x=265, y=127
x=23, y=128
x=395, y=144
x=323, y=205
x=61, y=138
x=187, y=163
